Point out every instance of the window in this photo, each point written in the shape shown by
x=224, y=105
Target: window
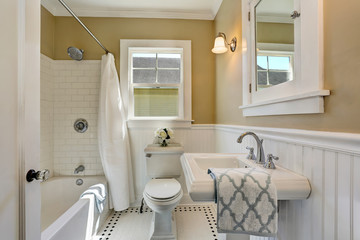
x=155, y=80
x=273, y=68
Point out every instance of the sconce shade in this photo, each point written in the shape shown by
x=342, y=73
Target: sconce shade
x=219, y=45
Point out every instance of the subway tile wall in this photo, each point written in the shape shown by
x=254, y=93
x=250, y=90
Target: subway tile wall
x=75, y=95
x=46, y=114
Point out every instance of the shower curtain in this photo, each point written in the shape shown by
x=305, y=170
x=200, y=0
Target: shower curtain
x=113, y=138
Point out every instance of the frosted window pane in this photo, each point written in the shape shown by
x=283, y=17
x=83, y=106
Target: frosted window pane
x=169, y=60
x=156, y=102
x=144, y=60
x=144, y=76
x=169, y=76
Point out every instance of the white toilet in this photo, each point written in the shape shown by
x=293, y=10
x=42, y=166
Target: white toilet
x=163, y=192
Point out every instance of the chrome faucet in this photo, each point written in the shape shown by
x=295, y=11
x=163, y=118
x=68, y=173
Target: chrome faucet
x=80, y=168
x=260, y=156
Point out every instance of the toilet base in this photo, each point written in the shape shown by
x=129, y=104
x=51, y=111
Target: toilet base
x=163, y=226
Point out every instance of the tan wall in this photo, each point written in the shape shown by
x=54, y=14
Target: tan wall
x=275, y=33
x=47, y=33
x=110, y=30
x=342, y=73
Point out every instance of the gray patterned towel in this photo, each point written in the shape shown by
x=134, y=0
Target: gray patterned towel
x=246, y=201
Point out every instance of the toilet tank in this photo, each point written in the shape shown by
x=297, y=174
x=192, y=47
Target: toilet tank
x=163, y=161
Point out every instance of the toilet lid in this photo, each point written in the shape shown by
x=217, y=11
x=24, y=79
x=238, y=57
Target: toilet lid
x=162, y=188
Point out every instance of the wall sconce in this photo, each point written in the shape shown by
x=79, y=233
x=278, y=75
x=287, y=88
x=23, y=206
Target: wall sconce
x=220, y=45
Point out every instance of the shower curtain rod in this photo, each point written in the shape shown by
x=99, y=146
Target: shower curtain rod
x=82, y=24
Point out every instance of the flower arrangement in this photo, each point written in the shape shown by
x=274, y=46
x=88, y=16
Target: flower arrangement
x=163, y=136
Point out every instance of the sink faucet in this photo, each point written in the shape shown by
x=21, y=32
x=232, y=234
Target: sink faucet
x=80, y=168
x=260, y=156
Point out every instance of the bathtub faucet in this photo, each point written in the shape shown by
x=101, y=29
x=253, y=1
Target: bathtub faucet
x=80, y=168
x=260, y=156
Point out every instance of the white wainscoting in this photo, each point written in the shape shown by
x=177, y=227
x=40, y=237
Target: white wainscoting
x=331, y=161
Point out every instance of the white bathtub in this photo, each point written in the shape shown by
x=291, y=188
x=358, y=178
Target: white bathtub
x=63, y=213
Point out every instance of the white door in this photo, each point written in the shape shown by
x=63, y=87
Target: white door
x=19, y=118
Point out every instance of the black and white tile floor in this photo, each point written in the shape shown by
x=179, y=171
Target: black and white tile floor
x=193, y=222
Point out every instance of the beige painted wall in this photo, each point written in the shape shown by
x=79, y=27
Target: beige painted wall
x=342, y=73
x=47, y=33
x=110, y=30
x=275, y=33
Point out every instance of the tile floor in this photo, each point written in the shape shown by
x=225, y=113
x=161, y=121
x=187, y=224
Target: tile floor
x=194, y=222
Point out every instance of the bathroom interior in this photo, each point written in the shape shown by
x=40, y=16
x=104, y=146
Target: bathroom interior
x=148, y=112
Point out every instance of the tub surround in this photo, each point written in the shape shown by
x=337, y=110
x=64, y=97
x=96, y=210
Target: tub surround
x=70, y=90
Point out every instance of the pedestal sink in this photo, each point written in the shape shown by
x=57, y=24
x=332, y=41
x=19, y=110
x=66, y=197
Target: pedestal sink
x=289, y=185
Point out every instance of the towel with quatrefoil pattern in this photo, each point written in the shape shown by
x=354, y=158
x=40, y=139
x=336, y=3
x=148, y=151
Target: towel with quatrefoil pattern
x=246, y=201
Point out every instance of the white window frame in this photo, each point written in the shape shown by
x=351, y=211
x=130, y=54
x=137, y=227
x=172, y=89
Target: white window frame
x=303, y=95
x=127, y=47
x=132, y=85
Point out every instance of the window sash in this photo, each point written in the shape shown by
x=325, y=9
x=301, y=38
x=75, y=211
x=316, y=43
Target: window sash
x=179, y=86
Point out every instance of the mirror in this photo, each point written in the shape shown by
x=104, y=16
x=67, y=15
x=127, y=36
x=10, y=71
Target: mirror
x=274, y=39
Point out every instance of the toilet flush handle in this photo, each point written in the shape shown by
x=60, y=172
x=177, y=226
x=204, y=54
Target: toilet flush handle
x=148, y=155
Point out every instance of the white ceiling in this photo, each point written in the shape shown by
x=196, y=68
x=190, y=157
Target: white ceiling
x=180, y=9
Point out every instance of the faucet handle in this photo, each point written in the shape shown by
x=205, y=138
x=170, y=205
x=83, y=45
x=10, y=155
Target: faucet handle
x=272, y=157
x=269, y=161
x=251, y=154
x=250, y=148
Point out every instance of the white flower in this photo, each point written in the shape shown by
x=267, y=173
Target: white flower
x=157, y=132
x=162, y=134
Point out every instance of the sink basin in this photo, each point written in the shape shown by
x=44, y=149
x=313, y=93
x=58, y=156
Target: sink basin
x=289, y=185
x=206, y=162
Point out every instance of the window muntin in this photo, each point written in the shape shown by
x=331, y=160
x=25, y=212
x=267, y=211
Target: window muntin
x=156, y=83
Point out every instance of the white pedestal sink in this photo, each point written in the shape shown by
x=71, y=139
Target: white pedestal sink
x=289, y=185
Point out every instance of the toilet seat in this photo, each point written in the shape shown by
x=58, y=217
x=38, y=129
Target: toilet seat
x=162, y=189
x=162, y=199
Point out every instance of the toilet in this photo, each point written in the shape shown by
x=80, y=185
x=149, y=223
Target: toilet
x=163, y=192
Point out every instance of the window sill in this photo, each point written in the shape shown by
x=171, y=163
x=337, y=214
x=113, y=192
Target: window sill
x=305, y=103
x=156, y=123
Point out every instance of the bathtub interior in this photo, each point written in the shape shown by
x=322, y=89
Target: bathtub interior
x=60, y=194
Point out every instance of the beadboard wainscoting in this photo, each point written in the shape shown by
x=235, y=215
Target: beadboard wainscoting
x=331, y=161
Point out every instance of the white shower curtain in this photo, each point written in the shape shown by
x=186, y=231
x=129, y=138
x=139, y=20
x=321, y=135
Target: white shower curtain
x=113, y=137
